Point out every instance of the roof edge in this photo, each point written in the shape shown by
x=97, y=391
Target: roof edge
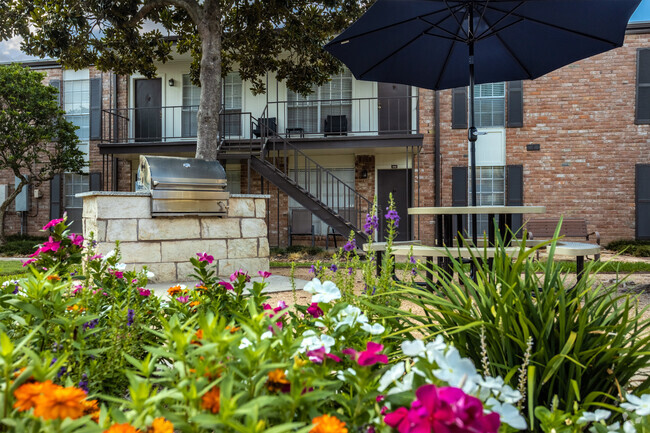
x=638, y=27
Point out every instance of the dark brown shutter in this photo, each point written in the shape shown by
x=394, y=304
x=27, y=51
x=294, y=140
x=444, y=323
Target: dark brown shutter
x=643, y=201
x=95, y=109
x=643, y=86
x=515, y=104
x=57, y=85
x=459, y=193
x=55, y=197
x=95, y=181
x=515, y=192
x=459, y=108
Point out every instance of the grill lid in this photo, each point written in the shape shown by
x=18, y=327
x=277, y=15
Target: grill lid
x=156, y=172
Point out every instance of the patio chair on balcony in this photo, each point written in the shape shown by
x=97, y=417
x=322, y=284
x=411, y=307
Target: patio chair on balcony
x=336, y=125
x=301, y=225
x=266, y=126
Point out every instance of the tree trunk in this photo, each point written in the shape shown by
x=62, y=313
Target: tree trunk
x=5, y=205
x=207, y=138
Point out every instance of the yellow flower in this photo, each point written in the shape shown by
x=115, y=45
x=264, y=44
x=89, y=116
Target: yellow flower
x=174, y=290
x=60, y=403
x=161, y=425
x=75, y=308
x=121, y=428
x=211, y=400
x=277, y=381
x=328, y=424
x=27, y=394
x=194, y=303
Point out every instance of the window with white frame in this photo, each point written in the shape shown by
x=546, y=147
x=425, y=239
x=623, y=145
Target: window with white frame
x=331, y=193
x=490, y=105
x=490, y=191
x=233, y=178
x=74, y=184
x=331, y=99
x=231, y=123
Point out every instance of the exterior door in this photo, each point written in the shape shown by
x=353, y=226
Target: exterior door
x=148, y=110
x=397, y=182
x=394, y=106
x=643, y=201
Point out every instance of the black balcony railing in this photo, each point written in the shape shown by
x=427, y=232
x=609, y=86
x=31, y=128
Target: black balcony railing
x=299, y=118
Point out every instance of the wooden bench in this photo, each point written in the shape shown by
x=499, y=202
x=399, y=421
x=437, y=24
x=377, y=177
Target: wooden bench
x=571, y=228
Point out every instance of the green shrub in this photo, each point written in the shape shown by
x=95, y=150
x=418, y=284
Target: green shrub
x=630, y=247
x=314, y=251
x=274, y=251
x=19, y=245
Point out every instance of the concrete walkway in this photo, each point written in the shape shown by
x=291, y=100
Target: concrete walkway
x=276, y=283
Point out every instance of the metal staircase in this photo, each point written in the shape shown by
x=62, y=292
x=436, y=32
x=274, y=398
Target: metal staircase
x=317, y=189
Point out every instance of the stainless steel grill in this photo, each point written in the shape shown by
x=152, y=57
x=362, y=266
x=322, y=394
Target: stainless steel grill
x=183, y=186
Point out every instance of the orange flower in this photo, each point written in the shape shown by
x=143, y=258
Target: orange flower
x=174, y=290
x=60, y=403
x=161, y=425
x=201, y=288
x=194, y=303
x=122, y=428
x=277, y=381
x=233, y=329
x=75, y=307
x=197, y=336
x=91, y=408
x=53, y=278
x=328, y=424
x=211, y=400
x=27, y=393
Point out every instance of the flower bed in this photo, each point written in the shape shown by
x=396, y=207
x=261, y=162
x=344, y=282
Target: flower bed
x=85, y=346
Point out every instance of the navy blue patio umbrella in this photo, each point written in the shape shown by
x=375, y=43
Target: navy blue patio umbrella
x=443, y=44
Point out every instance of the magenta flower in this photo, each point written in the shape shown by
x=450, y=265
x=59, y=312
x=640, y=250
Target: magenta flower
x=226, y=285
x=183, y=299
x=370, y=356
x=235, y=275
x=444, y=409
x=76, y=239
x=318, y=356
x=144, y=292
x=118, y=274
x=264, y=274
x=315, y=310
x=52, y=223
x=28, y=262
x=205, y=257
x=95, y=257
x=50, y=245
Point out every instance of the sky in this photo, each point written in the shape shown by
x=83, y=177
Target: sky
x=10, y=50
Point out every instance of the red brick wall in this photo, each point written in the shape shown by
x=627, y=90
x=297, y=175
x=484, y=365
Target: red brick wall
x=423, y=167
x=583, y=118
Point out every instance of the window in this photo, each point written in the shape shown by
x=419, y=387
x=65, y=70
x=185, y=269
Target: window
x=232, y=105
x=643, y=86
x=329, y=194
x=233, y=178
x=490, y=191
x=332, y=99
x=490, y=105
x=74, y=184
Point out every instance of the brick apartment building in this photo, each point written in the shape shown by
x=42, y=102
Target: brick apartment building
x=576, y=141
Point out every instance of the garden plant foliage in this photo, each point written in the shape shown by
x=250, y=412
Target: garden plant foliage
x=85, y=346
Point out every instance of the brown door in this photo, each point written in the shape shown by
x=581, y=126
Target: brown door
x=148, y=110
x=397, y=182
x=394, y=108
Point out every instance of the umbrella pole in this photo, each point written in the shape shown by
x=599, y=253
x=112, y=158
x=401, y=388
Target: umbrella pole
x=471, y=132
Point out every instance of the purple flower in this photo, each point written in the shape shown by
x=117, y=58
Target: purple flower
x=350, y=270
x=83, y=384
x=371, y=224
x=130, y=316
x=333, y=268
x=412, y=260
x=312, y=269
x=205, y=257
x=62, y=371
x=92, y=324
x=350, y=246
x=393, y=216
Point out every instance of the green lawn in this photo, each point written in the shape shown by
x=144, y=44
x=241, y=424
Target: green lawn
x=11, y=267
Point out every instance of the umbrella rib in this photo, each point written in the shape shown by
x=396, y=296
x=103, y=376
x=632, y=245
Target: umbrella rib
x=453, y=36
x=480, y=18
x=505, y=15
x=453, y=14
x=555, y=26
x=388, y=56
x=495, y=33
x=446, y=62
x=512, y=54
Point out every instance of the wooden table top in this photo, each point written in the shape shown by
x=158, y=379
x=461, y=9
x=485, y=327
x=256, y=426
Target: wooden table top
x=475, y=210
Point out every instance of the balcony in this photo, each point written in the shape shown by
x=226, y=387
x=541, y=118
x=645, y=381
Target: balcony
x=365, y=122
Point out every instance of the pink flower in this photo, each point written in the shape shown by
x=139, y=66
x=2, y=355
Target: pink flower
x=52, y=223
x=118, y=274
x=144, y=292
x=35, y=253
x=318, y=356
x=444, y=409
x=226, y=285
x=50, y=245
x=76, y=239
x=204, y=257
x=95, y=257
x=369, y=356
x=133, y=281
x=264, y=274
x=28, y=262
x=380, y=398
x=77, y=288
x=183, y=299
x=235, y=275
x=315, y=310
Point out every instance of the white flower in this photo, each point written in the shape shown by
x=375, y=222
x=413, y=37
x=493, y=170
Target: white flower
x=322, y=292
x=412, y=348
x=489, y=385
x=456, y=371
x=614, y=427
x=375, y=329
x=391, y=376
x=350, y=316
x=434, y=349
x=340, y=375
x=509, y=395
x=108, y=255
x=119, y=266
x=628, y=427
x=598, y=415
x=405, y=385
x=640, y=406
x=312, y=341
x=8, y=282
x=150, y=274
x=508, y=414
x=267, y=334
x=245, y=342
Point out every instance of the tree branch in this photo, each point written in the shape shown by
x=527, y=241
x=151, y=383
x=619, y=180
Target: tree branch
x=191, y=6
